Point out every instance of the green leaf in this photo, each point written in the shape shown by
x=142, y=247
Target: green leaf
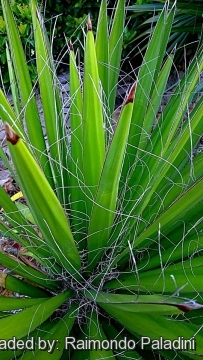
x=93, y=131
x=185, y=275
x=95, y=332
x=14, y=89
x=147, y=77
x=12, y=303
x=42, y=200
x=115, y=51
x=182, y=208
x=52, y=109
x=107, y=193
x=77, y=199
x=28, y=272
x=24, y=322
x=25, y=89
x=153, y=304
x=156, y=327
x=102, y=52
x=17, y=285
x=7, y=115
x=56, y=335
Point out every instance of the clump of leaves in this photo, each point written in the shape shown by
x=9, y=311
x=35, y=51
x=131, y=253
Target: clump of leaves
x=110, y=238
x=186, y=30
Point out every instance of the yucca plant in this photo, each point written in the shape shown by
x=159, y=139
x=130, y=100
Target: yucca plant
x=110, y=232
x=186, y=29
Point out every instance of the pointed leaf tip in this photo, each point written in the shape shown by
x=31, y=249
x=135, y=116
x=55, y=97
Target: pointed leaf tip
x=89, y=23
x=71, y=46
x=131, y=94
x=11, y=136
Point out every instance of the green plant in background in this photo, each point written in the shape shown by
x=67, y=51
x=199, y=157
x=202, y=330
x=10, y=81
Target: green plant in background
x=62, y=19
x=71, y=20
x=22, y=13
x=110, y=235
x=186, y=30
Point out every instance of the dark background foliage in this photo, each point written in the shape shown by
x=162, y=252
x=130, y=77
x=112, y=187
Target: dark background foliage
x=63, y=19
x=186, y=34
x=66, y=19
